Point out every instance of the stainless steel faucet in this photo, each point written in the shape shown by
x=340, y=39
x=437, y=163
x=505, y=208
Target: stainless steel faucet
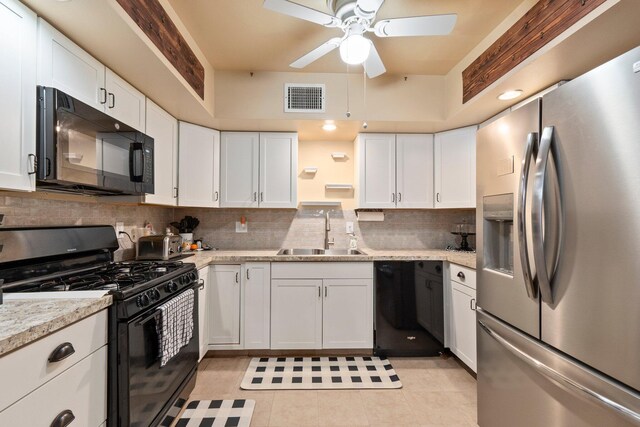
x=327, y=228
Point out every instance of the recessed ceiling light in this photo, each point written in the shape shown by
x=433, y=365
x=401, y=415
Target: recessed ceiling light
x=329, y=126
x=510, y=94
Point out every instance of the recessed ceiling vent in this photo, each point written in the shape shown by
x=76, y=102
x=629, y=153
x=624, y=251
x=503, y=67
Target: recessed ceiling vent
x=303, y=98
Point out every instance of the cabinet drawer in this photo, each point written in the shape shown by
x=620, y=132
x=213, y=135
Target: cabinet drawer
x=82, y=389
x=463, y=275
x=322, y=270
x=28, y=368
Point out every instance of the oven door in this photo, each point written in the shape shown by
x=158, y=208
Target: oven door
x=146, y=389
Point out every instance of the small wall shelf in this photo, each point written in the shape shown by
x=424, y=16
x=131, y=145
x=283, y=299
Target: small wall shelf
x=338, y=155
x=320, y=203
x=310, y=170
x=338, y=186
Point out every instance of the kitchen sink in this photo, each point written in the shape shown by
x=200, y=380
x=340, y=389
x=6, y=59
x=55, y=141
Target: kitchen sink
x=320, y=252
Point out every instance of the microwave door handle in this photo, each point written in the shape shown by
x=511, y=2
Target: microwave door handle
x=136, y=162
x=532, y=140
x=545, y=228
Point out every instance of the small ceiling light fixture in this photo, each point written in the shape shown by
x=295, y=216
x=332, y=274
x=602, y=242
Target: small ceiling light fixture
x=329, y=126
x=355, y=49
x=510, y=94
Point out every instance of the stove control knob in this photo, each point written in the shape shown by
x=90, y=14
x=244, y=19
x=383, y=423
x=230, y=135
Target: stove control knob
x=154, y=294
x=142, y=300
x=193, y=276
x=184, y=279
x=171, y=286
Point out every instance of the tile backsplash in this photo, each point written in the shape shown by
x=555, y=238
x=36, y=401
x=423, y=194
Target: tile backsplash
x=267, y=228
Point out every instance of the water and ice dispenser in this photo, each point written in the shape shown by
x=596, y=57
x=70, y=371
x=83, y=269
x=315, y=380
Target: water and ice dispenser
x=498, y=233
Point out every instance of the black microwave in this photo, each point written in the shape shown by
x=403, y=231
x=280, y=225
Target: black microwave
x=83, y=150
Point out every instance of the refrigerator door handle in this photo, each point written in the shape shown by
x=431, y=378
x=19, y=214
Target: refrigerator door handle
x=559, y=378
x=539, y=227
x=532, y=140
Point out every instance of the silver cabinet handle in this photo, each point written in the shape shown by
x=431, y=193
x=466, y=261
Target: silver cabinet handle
x=255, y=196
x=319, y=292
x=393, y=197
x=216, y=196
x=103, y=91
x=61, y=352
x=63, y=419
x=537, y=217
x=559, y=378
x=112, y=97
x=175, y=190
x=532, y=140
x=325, y=291
x=399, y=197
x=34, y=164
x=472, y=304
x=261, y=196
x=438, y=197
x=461, y=275
x=237, y=277
x=247, y=274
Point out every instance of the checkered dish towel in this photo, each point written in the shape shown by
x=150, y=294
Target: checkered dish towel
x=175, y=325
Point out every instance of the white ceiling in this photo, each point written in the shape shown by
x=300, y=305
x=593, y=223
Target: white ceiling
x=241, y=35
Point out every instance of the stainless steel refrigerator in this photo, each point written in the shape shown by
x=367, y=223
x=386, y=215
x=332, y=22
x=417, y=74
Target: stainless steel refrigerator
x=558, y=224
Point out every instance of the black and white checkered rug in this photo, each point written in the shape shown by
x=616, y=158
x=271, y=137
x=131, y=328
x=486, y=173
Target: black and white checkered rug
x=310, y=373
x=217, y=413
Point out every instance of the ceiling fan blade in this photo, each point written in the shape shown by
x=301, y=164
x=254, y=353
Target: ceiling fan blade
x=317, y=53
x=368, y=8
x=302, y=12
x=373, y=65
x=435, y=25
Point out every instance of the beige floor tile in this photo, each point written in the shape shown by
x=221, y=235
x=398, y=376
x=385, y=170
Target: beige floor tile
x=341, y=408
x=387, y=407
x=441, y=408
x=294, y=409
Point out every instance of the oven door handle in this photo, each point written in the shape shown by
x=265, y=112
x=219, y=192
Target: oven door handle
x=147, y=318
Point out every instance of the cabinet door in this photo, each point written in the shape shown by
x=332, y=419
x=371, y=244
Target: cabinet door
x=296, y=314
x=197, y=166
x=18, y=27
x=203, y=312
x=64, y=65
x=278, y=170
x=163, y=128
x=377, y=170
x=347, y=314
x=463, y=301
x=224, y=304
x=257, y=305
x=455, y=168
x=239, y=163
x=124, y=102
x=414, y=154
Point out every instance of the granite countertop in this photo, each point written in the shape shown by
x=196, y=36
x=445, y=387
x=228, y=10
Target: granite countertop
x=25, y=320
x=204, y=258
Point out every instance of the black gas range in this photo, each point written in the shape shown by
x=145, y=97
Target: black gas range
x=80, y=259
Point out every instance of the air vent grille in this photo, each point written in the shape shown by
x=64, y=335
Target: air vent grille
x=303, y=98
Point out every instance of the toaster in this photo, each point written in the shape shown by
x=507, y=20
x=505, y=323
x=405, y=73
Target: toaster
x=158, y=247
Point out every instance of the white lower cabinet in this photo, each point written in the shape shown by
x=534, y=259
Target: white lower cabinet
x=347, y=313
x=296, y=320
x=203, y=312
x=318, y=306
x=462, y=318
x=257, y=305
x=224, y=304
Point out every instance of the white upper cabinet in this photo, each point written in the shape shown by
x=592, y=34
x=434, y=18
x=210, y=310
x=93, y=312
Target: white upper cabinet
x=64, y=65
x=376, y=170
x=258, y=170
x=395, y=171
x=414, y=158
x=163, y=128
x=198, y=166
x=18, y=29
x=278, y=170
x=455, y=168
x=124, y=102
x=239, y=162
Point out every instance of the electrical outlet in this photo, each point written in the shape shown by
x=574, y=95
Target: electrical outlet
x=349, y=227
x=240, y=227
x=119, y=228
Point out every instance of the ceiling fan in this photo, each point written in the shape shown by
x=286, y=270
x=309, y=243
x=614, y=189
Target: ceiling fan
x=356, y=18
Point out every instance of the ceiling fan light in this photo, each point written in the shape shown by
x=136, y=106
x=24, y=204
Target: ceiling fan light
x=355, y=49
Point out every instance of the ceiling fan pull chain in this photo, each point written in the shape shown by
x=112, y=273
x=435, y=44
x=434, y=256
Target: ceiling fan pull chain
x=364, y=91
x=348, y=108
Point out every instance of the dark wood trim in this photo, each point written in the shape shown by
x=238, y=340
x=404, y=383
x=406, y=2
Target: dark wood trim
x=152, y=19
x=545, y=21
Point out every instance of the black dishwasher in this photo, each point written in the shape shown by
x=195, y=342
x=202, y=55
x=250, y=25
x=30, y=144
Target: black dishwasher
x=409, y=308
